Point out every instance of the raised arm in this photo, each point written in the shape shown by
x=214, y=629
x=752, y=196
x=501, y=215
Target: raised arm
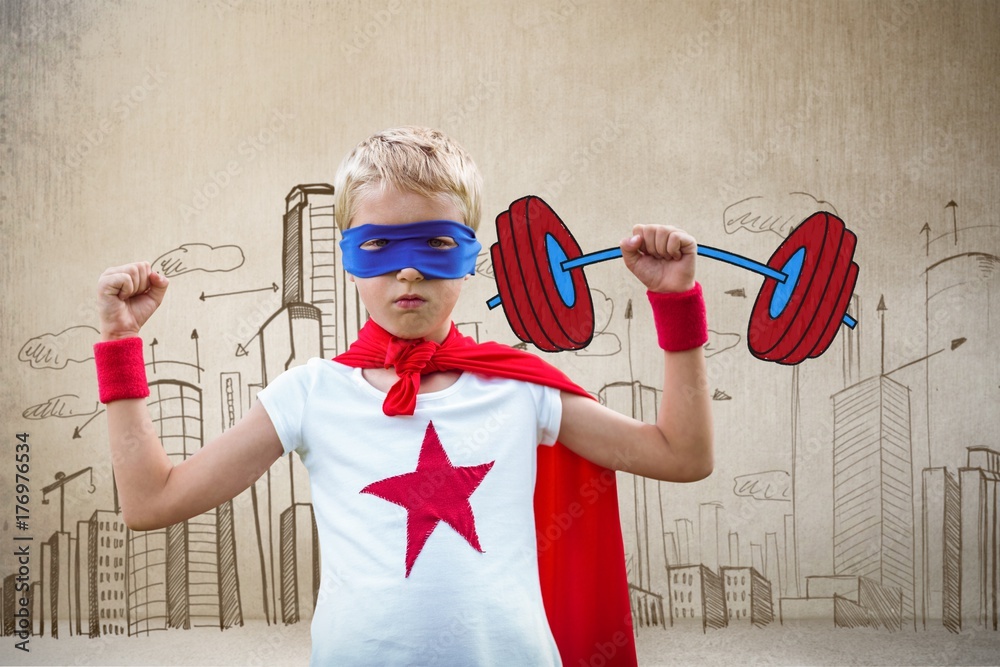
x=679, y=447
x=153, y=492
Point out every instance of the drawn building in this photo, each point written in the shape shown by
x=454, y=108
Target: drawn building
x=321, y=312
x=106, y=557
x=647, y=608
x=300, y=563
x=873, y=606
x=942, y=544
x=960, y=514
x=748, y=596
x=872, y=486
x=696, y=595
x=979, y=572
x=82, y=573
x=14, y=619
x=962, y=288
x=684, y=538
x=708, y=530
x=57, y=582
x=848, y=601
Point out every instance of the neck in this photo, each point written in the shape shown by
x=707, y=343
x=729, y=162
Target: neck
x=438, y=336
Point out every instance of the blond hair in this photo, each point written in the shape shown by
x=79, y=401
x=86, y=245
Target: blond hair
x=409, y=159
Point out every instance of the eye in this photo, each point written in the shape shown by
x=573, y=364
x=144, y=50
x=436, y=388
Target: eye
x=442, y=242
x=374, y=244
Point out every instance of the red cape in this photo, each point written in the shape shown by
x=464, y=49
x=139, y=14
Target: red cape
x=581, y=560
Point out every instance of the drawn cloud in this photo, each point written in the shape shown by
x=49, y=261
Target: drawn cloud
x=773, y=214
x=199, y=257
x=720, y=342
x=56, y=350
x=484, y=265
x=603, y=344
x=65, y=405
x=768, y=485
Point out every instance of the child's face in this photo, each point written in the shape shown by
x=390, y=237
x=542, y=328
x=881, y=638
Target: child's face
x=403, y=302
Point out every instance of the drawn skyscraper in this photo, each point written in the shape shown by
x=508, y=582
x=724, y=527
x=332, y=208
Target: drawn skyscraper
x=872, y=482
x=321, y=312
x=962, y=304
x=980, y=534
x=942, y=525
x=106, y=551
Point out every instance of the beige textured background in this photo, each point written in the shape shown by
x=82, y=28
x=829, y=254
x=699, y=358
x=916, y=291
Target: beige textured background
x=129, y=129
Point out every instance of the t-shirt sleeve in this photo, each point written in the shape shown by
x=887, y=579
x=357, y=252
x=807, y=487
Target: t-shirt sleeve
x=548, y=407
x=284, y=398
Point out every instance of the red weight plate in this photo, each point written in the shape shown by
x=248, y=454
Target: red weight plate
x=827, y=308
x=838, y=317
x=503, y=289
x=772, y=339
x=513, y=264
x=569, y=327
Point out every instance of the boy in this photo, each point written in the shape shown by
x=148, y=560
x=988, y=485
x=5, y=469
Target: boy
x=404, y=432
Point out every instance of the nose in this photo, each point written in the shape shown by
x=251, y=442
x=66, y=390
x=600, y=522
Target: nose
x=409, y=274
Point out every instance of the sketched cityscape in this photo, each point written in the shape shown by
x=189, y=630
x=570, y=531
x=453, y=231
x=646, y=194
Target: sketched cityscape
x=914, y=538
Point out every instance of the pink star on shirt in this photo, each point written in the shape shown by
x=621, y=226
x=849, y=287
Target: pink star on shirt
x=436, y=491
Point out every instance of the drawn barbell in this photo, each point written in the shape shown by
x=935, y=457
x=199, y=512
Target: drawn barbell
x=808, y=283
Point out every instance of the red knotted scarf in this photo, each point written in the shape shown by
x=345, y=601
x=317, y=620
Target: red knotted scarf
x=581, y=559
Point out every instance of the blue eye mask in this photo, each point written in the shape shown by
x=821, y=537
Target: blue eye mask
x=408, y=246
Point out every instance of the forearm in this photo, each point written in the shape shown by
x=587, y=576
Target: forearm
x=139, y=461
x=685, y=416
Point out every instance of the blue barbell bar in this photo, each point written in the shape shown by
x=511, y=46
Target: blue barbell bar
x=703, y=250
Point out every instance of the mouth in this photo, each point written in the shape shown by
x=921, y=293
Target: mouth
x=410, y=301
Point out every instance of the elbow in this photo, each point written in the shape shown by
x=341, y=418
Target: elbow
x=701, y=472
x=702, y=466
x=134, y=524
x=142, y=522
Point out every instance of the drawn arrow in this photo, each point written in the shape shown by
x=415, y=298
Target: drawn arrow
x=272, y=288
x=956, y=342
x=926, y=229
x=881, y=312
x=954, y=219
x=737, y=292
x=241, y=349
x=152, y=350
x=76, y=431
x=197, y=354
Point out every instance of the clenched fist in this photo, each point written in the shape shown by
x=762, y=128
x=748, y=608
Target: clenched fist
x=661, y=257
x=126, y=298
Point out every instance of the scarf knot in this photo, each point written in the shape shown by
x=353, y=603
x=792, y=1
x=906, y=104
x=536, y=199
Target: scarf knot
x=411, y=359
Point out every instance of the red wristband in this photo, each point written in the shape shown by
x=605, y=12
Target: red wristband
x=121, y=370
x=681, y=322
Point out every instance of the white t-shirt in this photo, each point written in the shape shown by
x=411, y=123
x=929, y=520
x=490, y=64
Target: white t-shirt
x=458, y=604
